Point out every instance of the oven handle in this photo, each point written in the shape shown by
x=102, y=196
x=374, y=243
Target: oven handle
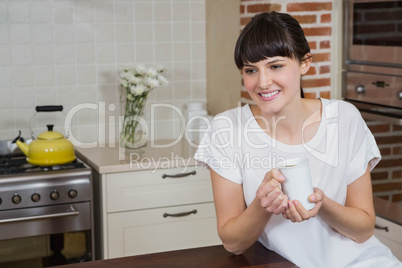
x=73, y=212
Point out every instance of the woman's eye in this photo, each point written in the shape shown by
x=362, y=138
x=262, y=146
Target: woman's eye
x=276, y=66
x=249, y=71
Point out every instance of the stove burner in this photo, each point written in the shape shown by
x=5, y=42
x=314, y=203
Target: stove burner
x=15, y=163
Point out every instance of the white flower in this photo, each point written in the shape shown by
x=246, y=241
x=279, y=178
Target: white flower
x=152, y=72
x=151, y=82
x=137, y=79
x=159, y=68
x=162, y=80
x=141, y=69
x=123, y=82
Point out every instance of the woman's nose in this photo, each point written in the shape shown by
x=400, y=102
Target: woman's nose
x=265, y=80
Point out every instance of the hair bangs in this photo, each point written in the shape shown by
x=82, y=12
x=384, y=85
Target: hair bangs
x=266, y=40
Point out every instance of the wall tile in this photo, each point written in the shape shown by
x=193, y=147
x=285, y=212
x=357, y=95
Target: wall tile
x=42, y=33
x=18, y=11
x=105, y=53
x=62, y=11
x=124, y=33
x=84, y=33
x=70, y=52
x=144, y=52
x=181, y=11
x=20, y=55
x=21, y=76
x=4, y=11
x=163, y=32
x=124, y=53
x=143, y=11
x=44, y=75
x=43, y=54
x=65, y=75
x=64, y=54
x=144, y=32
x=123, y=12
x=4, y=55
x=162, y=12
x=5, y=76
x=41, y=11
x=163, y=52
x=19, y=33
x=63, y=33
x=85, y=54
x=86, y=75
x=181, y=32
x=6, y=100
x=83, y=11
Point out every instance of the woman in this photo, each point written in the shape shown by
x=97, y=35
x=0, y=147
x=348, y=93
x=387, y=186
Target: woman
x=246, y=144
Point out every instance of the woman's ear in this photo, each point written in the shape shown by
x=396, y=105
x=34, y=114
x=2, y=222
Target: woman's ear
x=306, y=63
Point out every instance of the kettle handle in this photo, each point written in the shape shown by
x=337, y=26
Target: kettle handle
x=49, y=108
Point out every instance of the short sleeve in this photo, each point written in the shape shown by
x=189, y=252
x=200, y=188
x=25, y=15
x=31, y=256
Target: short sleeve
x=363, y=149
x=218, y=151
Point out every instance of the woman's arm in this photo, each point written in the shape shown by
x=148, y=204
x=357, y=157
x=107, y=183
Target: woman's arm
x=356, y=219
x=240, y=226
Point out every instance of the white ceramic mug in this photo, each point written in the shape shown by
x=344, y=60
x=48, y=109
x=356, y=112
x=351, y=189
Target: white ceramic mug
x=297, y=184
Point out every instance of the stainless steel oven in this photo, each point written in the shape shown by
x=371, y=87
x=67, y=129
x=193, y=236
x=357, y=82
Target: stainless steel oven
x=372, y=77
x=373, y=32
x=46, y=214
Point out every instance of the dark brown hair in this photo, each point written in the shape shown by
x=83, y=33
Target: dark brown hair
x=269, y=35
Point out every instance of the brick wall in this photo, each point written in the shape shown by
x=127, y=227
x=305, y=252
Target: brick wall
x=315, y=19
x=387, y=176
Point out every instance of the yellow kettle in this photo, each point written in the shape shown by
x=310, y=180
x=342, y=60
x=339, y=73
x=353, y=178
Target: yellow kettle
x=50, y=148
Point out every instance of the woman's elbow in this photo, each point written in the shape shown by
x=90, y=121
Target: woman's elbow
x=364, y=237
x=234, y=249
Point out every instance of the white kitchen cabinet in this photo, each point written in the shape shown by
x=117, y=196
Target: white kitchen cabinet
x=390, y=234
x=147, y=211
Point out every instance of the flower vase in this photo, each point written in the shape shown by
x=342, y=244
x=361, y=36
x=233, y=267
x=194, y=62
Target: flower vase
x=134, y=130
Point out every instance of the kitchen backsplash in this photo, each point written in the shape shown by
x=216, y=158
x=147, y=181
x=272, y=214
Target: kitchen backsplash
x=70, y=53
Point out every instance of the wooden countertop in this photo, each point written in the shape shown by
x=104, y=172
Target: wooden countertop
x=257, y=256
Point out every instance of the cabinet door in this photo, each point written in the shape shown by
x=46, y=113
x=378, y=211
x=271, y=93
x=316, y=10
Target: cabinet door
x=390, y=235
x=151, y=189
x=151, y=230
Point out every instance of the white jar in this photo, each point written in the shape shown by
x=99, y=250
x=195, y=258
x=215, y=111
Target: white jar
x=196, y=118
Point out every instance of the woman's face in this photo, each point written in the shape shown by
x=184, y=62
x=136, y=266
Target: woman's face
x=274, y=83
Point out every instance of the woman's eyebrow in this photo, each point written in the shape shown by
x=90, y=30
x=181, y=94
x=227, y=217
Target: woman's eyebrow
x=274, y=61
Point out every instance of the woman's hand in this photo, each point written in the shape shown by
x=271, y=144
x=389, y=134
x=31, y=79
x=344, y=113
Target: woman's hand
x=270, y=194
x=295, y=212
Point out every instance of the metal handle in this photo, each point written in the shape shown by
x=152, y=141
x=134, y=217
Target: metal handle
x=180, y=175
x=381, y=227
x=181, y=214
x=73, y=212
x=49, y=108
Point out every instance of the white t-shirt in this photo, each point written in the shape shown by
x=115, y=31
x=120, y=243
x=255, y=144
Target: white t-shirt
x=240, y=151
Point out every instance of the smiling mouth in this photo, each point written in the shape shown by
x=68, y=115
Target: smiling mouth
x=268, y=95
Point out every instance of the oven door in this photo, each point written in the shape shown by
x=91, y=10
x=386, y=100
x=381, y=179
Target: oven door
x=45, y=220
x=377, y=96
x=373, y=32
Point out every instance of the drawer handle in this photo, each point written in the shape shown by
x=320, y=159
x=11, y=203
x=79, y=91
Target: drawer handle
x=182, y=214
x=179, y=175
x=382, y=228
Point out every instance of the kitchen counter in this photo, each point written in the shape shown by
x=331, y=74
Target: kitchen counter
x=156, y=154
x=388, y=210
x=214, y=256
x=168, y=154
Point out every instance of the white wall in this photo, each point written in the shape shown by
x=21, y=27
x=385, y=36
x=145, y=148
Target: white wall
x=70, y=52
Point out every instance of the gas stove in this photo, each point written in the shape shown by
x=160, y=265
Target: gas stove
x=15, y=163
